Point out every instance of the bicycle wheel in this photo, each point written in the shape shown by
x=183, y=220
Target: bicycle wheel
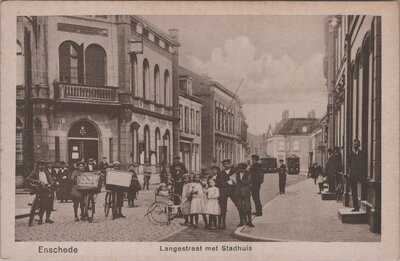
x=159, y=213
x=33, y=211
x=89, y=207
x=114, y=205
x=107, y=203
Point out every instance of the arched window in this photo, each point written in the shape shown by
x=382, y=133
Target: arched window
x=156, y=84
x=166, y=89
x=146, y=144
x=134, y=141
x=96, y=65
x=157, y=138
x=146, y=79
x=134, y=75
x=70, y=62
x=167, y=146
x=20, y=65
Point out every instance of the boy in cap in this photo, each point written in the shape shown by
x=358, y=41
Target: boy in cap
x=45, y=192
x=243, y=193
x=257, y=178
x=77, y=196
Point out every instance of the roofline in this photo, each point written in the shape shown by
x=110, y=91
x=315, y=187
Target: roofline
x=224, y=89
x=155, y=29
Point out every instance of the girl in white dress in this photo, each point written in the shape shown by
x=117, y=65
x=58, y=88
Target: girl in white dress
x=197, y=205
x=186, y=199
x=212, y=206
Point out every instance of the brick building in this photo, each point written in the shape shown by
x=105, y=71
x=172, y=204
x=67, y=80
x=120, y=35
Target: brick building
x=353, y=71
x=223, y=125
x=190, y=125
x=94, y=86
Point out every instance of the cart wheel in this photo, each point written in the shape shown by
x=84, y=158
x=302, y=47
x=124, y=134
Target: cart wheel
x=33, y=211
x=114, y=205
x=89, y=207
x=107, y=203
x=159, y=213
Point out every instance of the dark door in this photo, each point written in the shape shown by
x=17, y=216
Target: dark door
x=82, y=149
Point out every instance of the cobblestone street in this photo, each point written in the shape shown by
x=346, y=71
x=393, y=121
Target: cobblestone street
x=136, y=227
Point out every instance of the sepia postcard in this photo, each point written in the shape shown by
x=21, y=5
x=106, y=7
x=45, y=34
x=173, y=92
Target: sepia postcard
x=199, y=130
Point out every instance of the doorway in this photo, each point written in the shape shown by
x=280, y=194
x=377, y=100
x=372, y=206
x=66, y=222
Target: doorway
x=83, y=142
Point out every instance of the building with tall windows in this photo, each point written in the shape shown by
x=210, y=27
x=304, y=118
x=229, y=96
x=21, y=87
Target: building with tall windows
x=352, y=67
x=94, y=86
x=190, y=125
x=291, y=136
x=223, y=124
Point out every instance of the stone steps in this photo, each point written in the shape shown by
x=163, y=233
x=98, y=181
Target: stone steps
x=346, y=216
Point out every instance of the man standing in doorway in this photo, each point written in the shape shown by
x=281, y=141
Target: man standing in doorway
x=357, y=172
x=177, y=170
x=257, y=178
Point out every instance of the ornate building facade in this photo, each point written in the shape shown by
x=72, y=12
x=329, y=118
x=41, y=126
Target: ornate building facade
x=353, y=71
x=94, y=86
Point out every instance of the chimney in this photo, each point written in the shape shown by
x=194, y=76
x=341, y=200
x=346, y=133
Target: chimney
x=174, y=33
x=285, y=114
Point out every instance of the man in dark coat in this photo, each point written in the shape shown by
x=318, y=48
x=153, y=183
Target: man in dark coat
x=103, y=165
x=257, y=178
x=282, y=177
x=330, y=170
x=46, y=192
x=177, y=170
x=226, y=182
x=64, y=182
x=243, y=193
x=357, y=171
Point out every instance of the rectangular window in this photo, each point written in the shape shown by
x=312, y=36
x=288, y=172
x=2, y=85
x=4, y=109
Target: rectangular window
x=281, y=146
x=110, y=143
x=296, y=145
x=181, y=116
x=198, y=122
x=192, y=121
x=57, y=148
x=186, y=119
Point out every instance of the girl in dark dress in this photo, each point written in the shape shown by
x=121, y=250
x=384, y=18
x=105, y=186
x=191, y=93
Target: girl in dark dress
x=134, y=187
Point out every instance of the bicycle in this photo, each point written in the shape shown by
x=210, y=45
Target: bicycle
x=89, y=183
x=340, y=187
x=37, y=188
x=110, y=202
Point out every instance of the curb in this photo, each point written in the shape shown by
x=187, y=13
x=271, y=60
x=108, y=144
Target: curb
x=238, y=232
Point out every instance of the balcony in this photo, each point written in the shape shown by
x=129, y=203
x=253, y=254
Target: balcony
x=87, y=94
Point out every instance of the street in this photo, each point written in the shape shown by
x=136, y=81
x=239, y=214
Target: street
x=136, y=227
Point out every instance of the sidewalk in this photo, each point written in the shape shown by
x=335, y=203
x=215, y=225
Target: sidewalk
x=301, y=215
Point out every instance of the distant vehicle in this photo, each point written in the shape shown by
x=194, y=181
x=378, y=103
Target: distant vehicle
x=269, y=164
x=293, y=164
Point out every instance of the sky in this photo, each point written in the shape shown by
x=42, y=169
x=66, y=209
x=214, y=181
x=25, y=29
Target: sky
x=279, y=58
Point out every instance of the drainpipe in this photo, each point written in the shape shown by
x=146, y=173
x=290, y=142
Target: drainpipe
x=175, y=92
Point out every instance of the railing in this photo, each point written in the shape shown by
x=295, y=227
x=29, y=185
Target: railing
x=150, y=106
x=90, y=93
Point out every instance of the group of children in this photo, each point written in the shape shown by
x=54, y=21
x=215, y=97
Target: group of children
x=199, y=197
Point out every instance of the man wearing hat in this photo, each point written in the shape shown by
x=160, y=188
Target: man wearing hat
x=282, y=177
x=76, y=195
x=103, y=165
x=226, y=182
x=257, y=178
x=242, y=194
x=46, y=194
x=357, y=171
x=91, y=166
x=177, y=169
x=64, y=182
